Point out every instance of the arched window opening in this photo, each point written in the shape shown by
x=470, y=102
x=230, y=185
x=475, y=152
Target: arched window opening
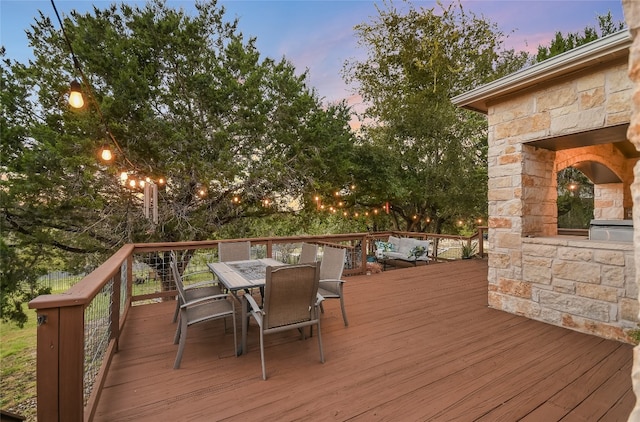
x=575, y=199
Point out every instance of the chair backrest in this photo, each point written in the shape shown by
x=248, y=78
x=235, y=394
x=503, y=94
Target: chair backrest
x=234, y=251
x=290, y=294
x=332, y=263
x=309, y=253
x=177, y=278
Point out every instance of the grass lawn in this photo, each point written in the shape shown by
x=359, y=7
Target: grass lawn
x=18, y=367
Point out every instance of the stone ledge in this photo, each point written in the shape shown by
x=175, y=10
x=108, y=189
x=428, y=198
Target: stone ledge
x=579, y=242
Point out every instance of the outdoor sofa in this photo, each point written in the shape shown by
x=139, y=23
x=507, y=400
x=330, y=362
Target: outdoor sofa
x=403, y=249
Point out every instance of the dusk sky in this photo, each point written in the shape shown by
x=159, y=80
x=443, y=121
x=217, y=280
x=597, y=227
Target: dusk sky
x=318, y=34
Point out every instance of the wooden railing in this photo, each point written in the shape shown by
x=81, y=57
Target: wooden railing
x=78, y=331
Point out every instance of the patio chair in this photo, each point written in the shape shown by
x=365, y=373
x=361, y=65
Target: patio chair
x=234, y=251
x=308, y=254
x=331, y=283
x=290, y=301
x=192, y=291
x=200, y=310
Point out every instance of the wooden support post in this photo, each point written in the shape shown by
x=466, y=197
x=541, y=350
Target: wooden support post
x=47, y=364
x=60, y=362
x=71, y=361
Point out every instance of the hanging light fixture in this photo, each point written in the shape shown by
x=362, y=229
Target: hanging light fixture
x=75, y=95
x=106, y=154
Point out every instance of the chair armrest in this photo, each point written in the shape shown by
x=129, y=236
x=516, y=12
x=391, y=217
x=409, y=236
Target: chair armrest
x=332, y=280
x=200, y=284
x=252, y=302
x=204, y=299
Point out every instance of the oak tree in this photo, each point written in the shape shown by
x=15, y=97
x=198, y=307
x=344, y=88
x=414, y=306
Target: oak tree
x=182, y=97
x=422, y=155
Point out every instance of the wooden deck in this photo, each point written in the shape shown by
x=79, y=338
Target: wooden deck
x=422, y=345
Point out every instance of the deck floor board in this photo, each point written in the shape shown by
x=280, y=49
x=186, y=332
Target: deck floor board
x=422, y=345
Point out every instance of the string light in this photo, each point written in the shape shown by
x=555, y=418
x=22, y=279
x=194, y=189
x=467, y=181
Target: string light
x=105, y=154
x=75, y=95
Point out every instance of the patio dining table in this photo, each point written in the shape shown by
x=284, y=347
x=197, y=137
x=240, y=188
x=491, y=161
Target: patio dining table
x=243, y=275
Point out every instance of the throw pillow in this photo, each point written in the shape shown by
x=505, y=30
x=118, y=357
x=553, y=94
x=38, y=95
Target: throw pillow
x=417, y=251
x=385, y=246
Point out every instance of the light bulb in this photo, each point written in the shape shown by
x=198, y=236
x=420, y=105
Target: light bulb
x=106, y=154
x=75, y=95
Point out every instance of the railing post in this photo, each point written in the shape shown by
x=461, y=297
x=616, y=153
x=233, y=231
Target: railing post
x=60, y=364
x=71, y=363
x=115, y=307
x=269, y=249
x=129, y=278
x=47, y=364
x=364, y=248
x=481, y=230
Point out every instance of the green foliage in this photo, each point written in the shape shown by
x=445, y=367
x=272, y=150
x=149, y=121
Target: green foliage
x=634, y=335
x=18, y=369
x=468, y=250
x=18, y=280
x=424, y=155
x=575, y=199
x=187, y=98
x=562, y=43
x=305, y=222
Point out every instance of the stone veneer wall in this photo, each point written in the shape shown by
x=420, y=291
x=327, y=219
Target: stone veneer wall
x=579, y=284
x=584, y=285
x=632, y=17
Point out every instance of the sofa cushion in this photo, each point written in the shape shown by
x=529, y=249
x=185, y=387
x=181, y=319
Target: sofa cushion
x=395, y=241
x=420, y=249
x=398, y=255
x=384, y=246
x=405, y=246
